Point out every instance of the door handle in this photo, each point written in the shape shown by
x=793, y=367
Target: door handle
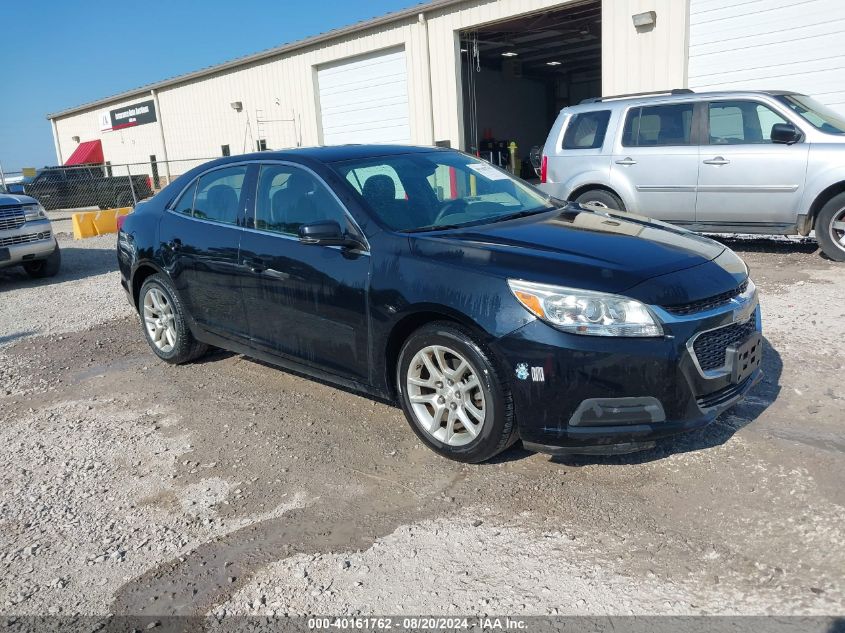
x=717, y=161
x=626, y=161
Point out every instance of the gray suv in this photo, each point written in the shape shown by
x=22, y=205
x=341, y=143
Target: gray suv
x=770, y=162
x=26, y=236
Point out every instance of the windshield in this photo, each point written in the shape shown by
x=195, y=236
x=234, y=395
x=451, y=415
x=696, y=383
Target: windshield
x=819, y=116
x=437, y=190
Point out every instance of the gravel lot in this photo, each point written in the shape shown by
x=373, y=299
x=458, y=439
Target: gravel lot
x=230, y=487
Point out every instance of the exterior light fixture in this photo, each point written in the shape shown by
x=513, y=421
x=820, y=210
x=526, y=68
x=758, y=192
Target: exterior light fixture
x=509, y=54
x=644, y=20
x=553, y=63
x=237, y=106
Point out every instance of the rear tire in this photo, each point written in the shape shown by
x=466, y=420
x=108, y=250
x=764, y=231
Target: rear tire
x=830, y=228
x=463, y=411
x=48, y=267
x=601, y=198
x=163, y=318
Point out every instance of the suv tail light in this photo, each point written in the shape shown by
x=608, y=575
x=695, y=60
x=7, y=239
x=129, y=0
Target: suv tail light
x=120, y=220
x=544, y=168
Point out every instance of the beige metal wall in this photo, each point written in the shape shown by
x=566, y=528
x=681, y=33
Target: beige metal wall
x=197, y=117
x=650, y=59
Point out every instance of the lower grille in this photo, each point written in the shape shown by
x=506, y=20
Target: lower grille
x=711, y=347
x=722, y=396
x=11, y=218
x=24, y=239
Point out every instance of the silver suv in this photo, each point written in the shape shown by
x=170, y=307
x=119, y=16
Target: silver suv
x=769, y=162
x=26, y=236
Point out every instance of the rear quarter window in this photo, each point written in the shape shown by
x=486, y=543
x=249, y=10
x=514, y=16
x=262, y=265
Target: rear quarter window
x=586, y=130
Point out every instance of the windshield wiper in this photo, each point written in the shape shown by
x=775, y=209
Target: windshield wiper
x=433, y=227
x=522, y=214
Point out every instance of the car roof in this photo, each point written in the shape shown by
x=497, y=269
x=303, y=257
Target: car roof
x=337, y=153
x=656, y=98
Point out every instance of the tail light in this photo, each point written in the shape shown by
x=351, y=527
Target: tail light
x=149, y=183
x=120, y=220
x=544, y=169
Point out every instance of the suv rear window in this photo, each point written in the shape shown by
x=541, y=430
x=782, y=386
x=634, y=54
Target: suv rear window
x=659, y=125
x=586, y=130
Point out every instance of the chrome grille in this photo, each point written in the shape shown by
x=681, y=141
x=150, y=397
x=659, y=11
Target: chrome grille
x=11, y=217
x=711, y=347
x=683, y=309
x=24, y=239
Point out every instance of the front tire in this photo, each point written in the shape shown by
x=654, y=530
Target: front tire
x=163, y=318
x=453, y=396
x=48, y=267
x=601, y=198
x=830, y=228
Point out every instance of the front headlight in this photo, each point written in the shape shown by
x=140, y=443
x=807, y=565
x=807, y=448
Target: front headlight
x=34, y=212
x=586, y=312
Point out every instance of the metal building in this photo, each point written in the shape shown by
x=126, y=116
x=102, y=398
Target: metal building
x=460, y=72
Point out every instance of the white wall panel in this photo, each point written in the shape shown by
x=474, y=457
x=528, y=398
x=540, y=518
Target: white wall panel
x=769, y=44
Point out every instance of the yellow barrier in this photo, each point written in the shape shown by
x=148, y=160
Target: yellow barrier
x=92, y=223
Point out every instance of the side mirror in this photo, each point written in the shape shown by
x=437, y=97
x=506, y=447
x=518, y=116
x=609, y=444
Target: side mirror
x=785, y=133
x=326, y=233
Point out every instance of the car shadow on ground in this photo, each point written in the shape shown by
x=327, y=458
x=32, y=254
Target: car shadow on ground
x=77, y=263
x=741, y=415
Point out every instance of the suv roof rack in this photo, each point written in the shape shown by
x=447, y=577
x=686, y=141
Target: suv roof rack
x=674, y=91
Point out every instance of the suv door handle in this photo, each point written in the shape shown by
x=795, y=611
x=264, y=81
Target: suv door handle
x=626, y=161
x=717, y=161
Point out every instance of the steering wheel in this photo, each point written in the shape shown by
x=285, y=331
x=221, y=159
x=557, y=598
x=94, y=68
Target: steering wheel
x=452, y=207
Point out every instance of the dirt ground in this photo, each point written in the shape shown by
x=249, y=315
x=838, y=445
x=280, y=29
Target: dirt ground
x=231, y=487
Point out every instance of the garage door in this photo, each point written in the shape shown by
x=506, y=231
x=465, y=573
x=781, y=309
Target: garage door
x=769, y=44
x=365, y=100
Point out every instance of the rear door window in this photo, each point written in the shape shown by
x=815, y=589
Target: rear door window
x=586, y=130
x=218, y=196
x=659, y=125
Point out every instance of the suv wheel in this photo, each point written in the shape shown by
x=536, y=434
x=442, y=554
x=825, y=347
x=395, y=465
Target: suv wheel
x=163, y=319
x=830, y=228
x=600, y=198
x=452, y=394
x=48, y=267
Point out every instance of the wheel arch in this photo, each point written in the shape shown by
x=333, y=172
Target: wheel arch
x=412, y=321
x=825, y=196
x=588, y=187
x=139, y=276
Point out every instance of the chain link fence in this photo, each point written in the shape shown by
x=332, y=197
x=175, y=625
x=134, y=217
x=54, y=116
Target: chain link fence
x=104, y=186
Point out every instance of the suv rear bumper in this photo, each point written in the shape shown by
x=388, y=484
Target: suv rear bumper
x=29, y=242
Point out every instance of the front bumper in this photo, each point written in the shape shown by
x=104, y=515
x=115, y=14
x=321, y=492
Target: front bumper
x=29, y=242
x=596, y=395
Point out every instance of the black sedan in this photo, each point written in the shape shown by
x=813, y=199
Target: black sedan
x=488, y=310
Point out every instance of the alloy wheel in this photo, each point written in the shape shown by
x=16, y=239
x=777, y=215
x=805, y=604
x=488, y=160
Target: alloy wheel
x=160, y=320
x=445, y=395
x=837, y=228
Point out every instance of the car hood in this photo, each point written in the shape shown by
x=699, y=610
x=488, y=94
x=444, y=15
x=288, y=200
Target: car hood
x=606, y=251
x=8, y=199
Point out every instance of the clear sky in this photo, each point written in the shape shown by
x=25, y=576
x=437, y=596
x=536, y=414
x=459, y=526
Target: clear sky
x=62, y=53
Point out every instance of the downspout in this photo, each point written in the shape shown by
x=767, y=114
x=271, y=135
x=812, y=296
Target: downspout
x=428, y=85
x=161, y=133
x=56, y=141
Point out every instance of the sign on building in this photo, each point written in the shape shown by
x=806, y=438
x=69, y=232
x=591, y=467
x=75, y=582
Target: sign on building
x=128, y=116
